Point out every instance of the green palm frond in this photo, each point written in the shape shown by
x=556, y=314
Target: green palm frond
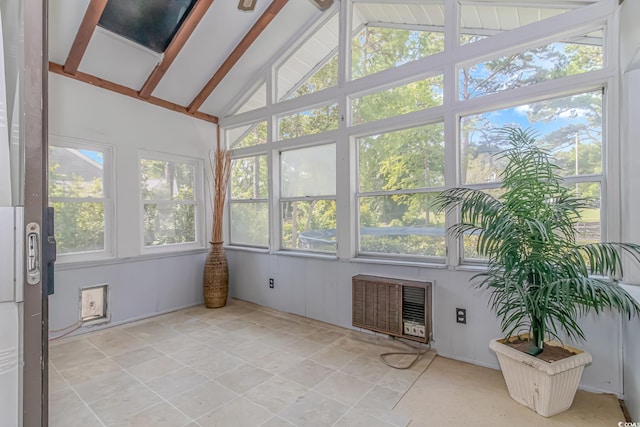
x=540, y=279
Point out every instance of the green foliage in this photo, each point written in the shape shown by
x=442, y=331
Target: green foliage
x=79, y=220
x=539, y=277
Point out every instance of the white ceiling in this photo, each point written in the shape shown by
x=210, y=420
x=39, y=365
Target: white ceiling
x=113, y=58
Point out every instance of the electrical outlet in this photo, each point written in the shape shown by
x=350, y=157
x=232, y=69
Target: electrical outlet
x=461, y=315
x=272, y=282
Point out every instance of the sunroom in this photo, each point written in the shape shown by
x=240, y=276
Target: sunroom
x=345, y=122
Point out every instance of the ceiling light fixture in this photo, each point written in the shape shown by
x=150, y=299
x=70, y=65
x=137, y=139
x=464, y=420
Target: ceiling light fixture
x=247, y=4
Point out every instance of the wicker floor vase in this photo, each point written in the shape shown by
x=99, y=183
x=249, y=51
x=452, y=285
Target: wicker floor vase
x=216, y=277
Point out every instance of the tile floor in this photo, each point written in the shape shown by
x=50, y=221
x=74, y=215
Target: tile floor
x=247, y=365
x=241, y=365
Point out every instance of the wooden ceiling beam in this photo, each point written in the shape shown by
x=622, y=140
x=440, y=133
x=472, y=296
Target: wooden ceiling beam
x=274, y=8
x=83, y=36
x=123, y=90
x=176, y=45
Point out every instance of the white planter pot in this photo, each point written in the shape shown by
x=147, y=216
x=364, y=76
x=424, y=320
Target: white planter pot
x=547, y=388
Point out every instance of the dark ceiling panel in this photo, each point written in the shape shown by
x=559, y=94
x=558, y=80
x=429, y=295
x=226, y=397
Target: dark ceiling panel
x=150, y=23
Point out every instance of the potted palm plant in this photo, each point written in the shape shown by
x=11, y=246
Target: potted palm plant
x=539, y=277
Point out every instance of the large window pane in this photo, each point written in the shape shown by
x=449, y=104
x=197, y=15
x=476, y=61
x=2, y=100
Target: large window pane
x=308, y=171
x=555, y=60
x=309, y=225
x=169, y=201
x=389, y=34
x=399, y=100
x=162, y=180
x=565, y=126
x=75, y=172
x=401, y=224
x=308, y=122
x=588, y=228
x=250, y=223
x=80, y=226
x=404, y=159
x=166, y=224
x=79, y=193
x=249, y=178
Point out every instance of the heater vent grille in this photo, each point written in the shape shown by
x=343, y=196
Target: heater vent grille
x=395, y=307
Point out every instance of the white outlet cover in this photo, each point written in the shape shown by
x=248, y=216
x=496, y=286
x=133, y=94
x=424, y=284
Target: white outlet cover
x=93, y=303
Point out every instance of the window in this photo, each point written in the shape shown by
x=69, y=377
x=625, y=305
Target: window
x=170, y=201
x=80, y=193
x=386, y=35
x=410, y=110
x=308, y=122
x=399, y=173
x=313, y=66
x=399, y=100
x=307, y=198
x=570, y=127
x=249, y=202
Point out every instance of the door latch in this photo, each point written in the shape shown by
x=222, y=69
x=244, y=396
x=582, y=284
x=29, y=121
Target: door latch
x=33, y=254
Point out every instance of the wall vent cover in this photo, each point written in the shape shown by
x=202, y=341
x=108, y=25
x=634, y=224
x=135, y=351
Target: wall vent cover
x=94, y=304
x=395, y=307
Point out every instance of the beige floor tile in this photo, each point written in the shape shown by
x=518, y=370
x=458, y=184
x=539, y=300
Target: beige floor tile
x=191, y=354
x=360, y=418
x=314, y=409
x=158, y=367
x=176, y=343
x=90, y=371
x=116, y=341
x=344, y=388
x=243, y=378
x=333, y=357
x=325, y=336
x=303, y=347
x=380, y=397
x=203, y=399
x=277, y=422
x=275, y=361
x=105, y=385
x=279, y=339
x=366, y=368
x=308, y=373
x=216, y=363
x=56, y=382
x=66, y=360
x=66, y=409
x=240, y=412
x=234, y=325
x=277, y=393
x=151, y=331
x=176, y=382
x=160, y=415
x=399, y=380
x=253, y=332
x=136, y=357
x=118, y=407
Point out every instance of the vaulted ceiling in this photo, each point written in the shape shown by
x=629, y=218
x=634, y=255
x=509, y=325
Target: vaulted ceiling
x=216, y=53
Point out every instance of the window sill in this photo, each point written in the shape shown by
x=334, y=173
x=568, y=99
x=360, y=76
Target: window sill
x=315, y=255
x=114, y=261
x=398, y=262
x=246, y=249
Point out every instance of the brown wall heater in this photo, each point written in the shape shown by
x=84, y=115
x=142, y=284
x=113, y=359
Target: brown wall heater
x=401, y=308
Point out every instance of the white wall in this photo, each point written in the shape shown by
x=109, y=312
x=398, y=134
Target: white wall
x=140, y=285
x=321, y=289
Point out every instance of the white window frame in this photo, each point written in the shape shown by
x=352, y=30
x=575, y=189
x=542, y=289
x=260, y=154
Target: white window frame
x=198, y=202
x=259, y=200
x=108, y=200
x=603, y=14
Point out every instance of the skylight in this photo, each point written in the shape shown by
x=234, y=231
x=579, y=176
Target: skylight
x=150, y=23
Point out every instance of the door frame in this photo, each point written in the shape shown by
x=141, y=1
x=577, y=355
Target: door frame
x=35, y=326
